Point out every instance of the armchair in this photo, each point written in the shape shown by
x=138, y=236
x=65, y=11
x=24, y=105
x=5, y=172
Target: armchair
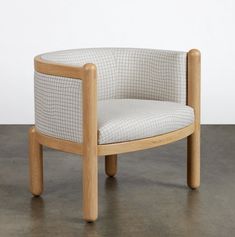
x=107, y=101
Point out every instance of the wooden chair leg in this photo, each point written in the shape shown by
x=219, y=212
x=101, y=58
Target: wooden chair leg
x=193, y=160
x=193, y=100
x=35, y=164
x=90, y=188
x=90, y=159
x=111, y=165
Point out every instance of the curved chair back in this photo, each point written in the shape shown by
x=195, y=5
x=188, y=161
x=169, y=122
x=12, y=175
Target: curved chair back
x=132, y=73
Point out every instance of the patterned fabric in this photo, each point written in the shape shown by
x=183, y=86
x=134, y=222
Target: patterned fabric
x=58, y=107
x=102, y=58
x=122, y=74
x=129, y=119
x=151, y=74
x=132, y=73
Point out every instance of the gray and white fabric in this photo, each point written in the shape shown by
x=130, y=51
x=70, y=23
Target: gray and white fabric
x=132, y=73
x=58, y=106
x=130, y=119
x=123, y=73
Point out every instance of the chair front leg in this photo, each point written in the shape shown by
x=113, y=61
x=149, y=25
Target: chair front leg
x=90, y=160
x=35, y=164
x=90, y=186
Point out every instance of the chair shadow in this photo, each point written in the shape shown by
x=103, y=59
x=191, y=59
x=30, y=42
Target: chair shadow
x=37, y=214
x=111, y=209
x=111, y=184
x=90, y=230
x=170, y=185
x=141, y=180
x=37, y=208
x=112, y=200
x=193, y=205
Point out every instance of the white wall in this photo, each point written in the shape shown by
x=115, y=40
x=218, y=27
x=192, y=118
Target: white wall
x=30, y=27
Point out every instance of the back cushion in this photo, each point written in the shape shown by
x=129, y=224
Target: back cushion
x=151, y=74
x=132, y=73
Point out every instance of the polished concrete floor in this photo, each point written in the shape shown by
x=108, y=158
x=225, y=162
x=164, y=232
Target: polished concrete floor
x=149, y=196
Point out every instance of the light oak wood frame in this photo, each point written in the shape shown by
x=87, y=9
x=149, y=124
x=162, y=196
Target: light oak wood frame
x=90, y=149
x=193, y=100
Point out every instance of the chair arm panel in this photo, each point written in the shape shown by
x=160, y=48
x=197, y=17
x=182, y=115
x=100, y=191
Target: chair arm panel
x=58, y=106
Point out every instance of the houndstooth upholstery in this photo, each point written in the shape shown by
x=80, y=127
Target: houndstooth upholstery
x=151, y=74
x=129, y=119
x=122, y=74
x=102, y=58
x=132, y=73
x=58, y=106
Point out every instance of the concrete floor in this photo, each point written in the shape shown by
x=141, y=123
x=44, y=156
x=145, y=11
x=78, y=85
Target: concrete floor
x=148, y=197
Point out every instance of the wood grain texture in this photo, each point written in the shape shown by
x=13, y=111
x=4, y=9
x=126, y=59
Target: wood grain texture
x=111, y=165
x=59, y=144
x=57, y=69
x=136, y=145
x=35, y=164
x=109, y=149
x=193, y=100
x=90, y=160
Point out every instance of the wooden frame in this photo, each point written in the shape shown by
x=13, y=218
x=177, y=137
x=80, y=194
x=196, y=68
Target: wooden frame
x=193, y=100
x=90, y=149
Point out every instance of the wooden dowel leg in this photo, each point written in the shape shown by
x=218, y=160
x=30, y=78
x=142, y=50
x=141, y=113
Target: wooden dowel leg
x=90, y=160
x=90, y=188
x=35, y=164
x=111, y=165
x=193, y=160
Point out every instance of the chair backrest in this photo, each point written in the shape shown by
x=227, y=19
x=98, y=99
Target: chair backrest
x=132, y=73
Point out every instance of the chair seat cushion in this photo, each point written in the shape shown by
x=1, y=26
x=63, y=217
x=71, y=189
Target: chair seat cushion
x=122, y=120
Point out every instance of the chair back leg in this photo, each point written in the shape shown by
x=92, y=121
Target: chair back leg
x=111, y=165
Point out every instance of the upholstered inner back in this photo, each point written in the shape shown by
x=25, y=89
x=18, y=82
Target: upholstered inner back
x=132, y=73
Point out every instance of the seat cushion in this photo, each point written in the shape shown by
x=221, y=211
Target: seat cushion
x=122, y=120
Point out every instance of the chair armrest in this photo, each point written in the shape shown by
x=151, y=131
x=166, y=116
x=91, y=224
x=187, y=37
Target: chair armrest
x=57, y=69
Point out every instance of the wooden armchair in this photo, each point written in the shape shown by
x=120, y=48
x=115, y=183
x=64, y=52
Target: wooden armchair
x=103, y=102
